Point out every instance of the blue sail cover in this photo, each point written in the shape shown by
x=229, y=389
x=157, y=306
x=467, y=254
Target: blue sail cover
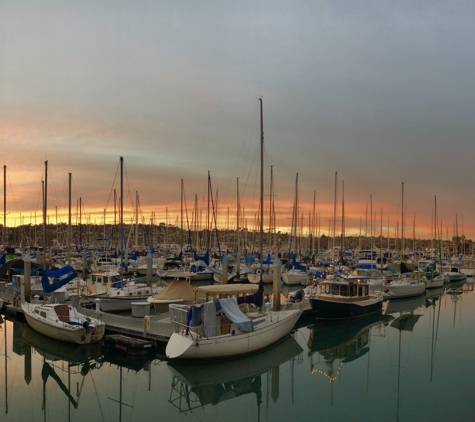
x=232, y=311
x=297, y=265
x=267, y=260
x=51, y=287
x=204, y=258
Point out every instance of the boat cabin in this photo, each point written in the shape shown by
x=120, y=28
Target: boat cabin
x=105, y=279
x=355, y=288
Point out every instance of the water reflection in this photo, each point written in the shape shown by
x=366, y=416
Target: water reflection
x=66, y=368
x=197, y=384
x=341, y=343
x=404, y=322
x=455, y=291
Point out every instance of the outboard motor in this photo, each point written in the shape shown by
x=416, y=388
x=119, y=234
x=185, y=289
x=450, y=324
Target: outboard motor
x=86, y=326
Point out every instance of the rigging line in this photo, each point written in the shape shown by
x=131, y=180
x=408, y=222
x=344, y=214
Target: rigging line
x=133, y=397
x=113, y=184
x=186, y=210
x=129, y=193
x=247, y=135
x=98, y=401
x=51, y=179
x=10, y=191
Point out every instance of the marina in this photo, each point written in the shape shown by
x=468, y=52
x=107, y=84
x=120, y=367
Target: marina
x=395, y=361
x=237, y=212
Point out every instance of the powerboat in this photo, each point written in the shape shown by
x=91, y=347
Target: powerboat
x=341, y=299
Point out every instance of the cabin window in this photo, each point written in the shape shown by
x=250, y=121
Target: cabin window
x=365, y=292
x=93, y=279
x=43, y=314
x=99, y=279
x=344, y=290
x=335, y=289
x=353, y=290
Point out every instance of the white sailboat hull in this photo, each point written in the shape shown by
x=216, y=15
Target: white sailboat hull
x=73, y=332
x=398, y=289
x=293, y=278
x=273, y=328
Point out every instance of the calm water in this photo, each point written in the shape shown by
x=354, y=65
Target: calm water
x=415, y=363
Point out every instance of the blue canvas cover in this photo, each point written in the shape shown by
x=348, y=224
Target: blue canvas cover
x=51, y=287
x=204, y=258
x=231, y=309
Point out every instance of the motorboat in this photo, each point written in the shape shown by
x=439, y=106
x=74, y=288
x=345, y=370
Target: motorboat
x=454, y=275
x=232, y=323
x=345, y=299
x=63, y=322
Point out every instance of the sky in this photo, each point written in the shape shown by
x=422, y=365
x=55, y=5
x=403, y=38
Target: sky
x=380, y=93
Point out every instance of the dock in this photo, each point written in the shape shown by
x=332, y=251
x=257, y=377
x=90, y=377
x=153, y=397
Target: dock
x=159, y=331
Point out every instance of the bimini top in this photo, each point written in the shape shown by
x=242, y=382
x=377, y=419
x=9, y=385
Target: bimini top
x=226, y=289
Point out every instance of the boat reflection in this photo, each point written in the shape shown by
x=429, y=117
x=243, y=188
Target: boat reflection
x=341, y=343
x=455, y=291
x=197, y=384
x=406, y=321
x=404, y=305
x=80, y=361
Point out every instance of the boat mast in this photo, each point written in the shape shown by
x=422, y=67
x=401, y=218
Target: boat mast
x=238, y=206
x=181, y=217
x=45, y=208
x=334, y=220
x=136, y=220
x=69, y=220
x=261, y=223
x=402, y=222
x=121, y=215
x=5, y=206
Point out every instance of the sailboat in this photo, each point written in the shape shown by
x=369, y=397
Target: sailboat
x=219, y=328
x=122, y=293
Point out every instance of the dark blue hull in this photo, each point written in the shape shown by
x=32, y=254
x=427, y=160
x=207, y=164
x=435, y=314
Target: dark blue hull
x=332, y=311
